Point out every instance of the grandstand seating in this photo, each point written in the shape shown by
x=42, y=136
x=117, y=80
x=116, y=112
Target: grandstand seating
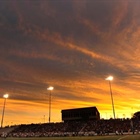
x=74, y=128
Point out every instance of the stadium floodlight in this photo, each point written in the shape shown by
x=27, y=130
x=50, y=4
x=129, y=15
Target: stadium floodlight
x=50, y=89
x=110, y=78
x=5, y=96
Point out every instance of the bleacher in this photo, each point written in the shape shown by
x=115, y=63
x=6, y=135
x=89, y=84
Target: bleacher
x=76, y=128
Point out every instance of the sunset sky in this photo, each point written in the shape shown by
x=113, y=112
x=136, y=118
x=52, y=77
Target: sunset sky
x=72, y=45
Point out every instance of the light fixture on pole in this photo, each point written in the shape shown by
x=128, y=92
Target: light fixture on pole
x=50, y=89
x=110, y=78
x=5, y=96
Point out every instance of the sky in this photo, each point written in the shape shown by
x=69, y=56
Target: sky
x=72, y=45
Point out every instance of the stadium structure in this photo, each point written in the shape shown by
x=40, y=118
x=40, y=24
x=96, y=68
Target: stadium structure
x=76, y=122
x=80, y=114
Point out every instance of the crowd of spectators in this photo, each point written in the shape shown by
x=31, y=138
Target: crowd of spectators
x=77, y=128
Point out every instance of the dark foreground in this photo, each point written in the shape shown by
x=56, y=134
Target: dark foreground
x=124, y=137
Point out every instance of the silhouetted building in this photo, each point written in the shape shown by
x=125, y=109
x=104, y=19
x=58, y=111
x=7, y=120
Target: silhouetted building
x=80, y=114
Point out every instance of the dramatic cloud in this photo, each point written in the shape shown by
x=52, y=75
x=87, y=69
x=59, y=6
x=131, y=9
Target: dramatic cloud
x=73, y=46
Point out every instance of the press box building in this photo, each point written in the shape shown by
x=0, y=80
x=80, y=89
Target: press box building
x=80, y=114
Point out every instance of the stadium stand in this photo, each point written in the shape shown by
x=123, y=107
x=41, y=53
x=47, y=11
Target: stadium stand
x=76, y=122
x=77, y=128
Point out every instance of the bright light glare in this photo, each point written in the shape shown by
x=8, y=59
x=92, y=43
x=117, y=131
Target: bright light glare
x=110, y=78
x=5, y=96
x=50, y=88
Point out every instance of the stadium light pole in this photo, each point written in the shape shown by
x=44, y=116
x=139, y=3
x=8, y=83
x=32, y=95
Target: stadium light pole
x=5, y=96
x=50, y=89
x=110, y=78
